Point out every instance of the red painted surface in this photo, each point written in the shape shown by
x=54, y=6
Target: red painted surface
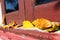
x=42, y=11
x=29, y=10
x=14, y=34
x=17, y=16
x=13, y=17
x=47, y=11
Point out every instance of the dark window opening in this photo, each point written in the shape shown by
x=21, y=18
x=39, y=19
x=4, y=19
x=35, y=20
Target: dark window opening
x=42, y=1
x=11, y=5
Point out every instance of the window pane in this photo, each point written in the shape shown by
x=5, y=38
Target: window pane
x=42, y=1
x=11, y=5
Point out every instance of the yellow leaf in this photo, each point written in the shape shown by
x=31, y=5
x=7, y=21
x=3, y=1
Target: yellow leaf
x=27, y=24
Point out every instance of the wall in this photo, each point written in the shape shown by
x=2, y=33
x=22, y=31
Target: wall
x=0, y=14
x=47, y=11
